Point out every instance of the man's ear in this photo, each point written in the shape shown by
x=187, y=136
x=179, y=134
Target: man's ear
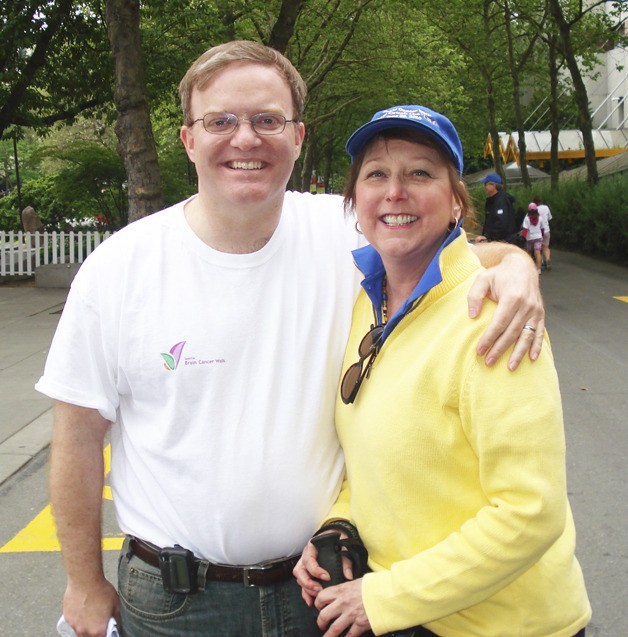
x=187, y=137
x=299, y=136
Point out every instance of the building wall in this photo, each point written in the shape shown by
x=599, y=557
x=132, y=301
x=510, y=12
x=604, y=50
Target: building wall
x=608, y=93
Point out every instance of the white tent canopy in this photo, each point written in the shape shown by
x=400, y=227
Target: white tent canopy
x=607, y=143
x=513, y=174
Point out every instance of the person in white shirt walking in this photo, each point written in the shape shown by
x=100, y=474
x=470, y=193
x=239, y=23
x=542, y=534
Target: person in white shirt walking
x=534, y=229
x=546, y=215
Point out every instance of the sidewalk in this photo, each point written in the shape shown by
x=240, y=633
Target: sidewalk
x=28, y=318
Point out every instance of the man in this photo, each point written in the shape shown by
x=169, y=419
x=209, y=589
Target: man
x=208, y=339
x=500, y=223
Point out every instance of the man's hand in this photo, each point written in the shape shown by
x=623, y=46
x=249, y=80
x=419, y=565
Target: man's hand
x=88, y=611
x=514, y=285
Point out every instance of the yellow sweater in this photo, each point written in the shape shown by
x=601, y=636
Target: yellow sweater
x=456, y=477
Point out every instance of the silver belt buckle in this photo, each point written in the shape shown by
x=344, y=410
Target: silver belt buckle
x=264, y=566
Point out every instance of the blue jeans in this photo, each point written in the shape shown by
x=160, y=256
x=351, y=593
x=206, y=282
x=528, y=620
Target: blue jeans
x=223, y=609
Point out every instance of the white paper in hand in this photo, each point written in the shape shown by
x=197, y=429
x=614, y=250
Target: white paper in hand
x=65, y=630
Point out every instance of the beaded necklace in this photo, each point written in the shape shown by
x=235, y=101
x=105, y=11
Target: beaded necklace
x=384, y=302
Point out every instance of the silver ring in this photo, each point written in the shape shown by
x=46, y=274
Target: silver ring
x=529, y=327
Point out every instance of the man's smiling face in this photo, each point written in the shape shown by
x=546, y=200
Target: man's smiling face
x=243, y=168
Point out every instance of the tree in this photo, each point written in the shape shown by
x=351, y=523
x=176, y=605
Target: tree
x=521, y=44
x=582, y=99
x=368, y=59
x=133, y=127
x=319, y=50
x=566, y=16
x=89, y=183
x=553, y=67
x=548, y=84
x=283, y=29
x=357, y=56
x=74, y=174
x=53, y=58
x=475, y=29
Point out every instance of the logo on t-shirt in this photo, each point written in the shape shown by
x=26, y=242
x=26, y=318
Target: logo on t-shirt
x=173, y=357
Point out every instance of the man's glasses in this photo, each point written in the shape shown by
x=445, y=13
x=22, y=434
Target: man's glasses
x=351, y=381
x=262, y=123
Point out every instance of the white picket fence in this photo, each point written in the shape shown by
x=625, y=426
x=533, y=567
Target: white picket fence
x=22, y=252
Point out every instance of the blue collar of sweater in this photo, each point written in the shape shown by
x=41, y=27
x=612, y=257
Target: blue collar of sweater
x=369, y=262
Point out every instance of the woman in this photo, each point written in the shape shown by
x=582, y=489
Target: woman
x=546, y=215
x=455, y=480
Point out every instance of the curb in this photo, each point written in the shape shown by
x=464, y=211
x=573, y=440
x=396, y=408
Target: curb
x=24, y=445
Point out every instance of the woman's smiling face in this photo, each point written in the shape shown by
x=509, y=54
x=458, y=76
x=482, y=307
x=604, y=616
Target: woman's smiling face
x=404, y=200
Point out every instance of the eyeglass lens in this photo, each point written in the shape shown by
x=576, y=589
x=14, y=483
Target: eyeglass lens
x=354, y=375
x=262, y=123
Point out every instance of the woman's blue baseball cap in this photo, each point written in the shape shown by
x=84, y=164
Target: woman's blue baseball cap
x=420, y=118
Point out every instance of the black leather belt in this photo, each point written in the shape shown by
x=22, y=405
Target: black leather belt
x=263, y=574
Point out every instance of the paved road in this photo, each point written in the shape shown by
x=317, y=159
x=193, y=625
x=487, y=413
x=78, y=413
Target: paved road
x=589, y=333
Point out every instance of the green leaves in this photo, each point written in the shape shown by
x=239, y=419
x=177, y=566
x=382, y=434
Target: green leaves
x=56, y=62
x=357, y=56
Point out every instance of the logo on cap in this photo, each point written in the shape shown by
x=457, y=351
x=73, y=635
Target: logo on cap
x=416, y=113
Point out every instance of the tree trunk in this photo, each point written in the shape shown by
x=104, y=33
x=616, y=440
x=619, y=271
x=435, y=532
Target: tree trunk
x=521, y=142
x=284, y=25
x=136, y=143
x=582, y=99
x=554, y=113
x=327, y=168
x=307, y=166
x=515, y=70
x=494, y=133
x=490, y=95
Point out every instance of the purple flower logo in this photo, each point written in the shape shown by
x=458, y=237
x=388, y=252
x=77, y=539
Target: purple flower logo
x=173, y=356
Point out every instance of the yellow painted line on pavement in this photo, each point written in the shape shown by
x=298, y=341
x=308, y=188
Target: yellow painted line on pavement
x=621, y=298
x=40, y=534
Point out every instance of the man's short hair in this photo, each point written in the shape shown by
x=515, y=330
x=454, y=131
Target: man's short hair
x=221, y=56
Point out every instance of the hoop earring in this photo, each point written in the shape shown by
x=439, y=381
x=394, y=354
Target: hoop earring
x=357, y=228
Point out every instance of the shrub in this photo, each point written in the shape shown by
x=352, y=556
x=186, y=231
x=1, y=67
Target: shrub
x=592, y=220
x=41, y=193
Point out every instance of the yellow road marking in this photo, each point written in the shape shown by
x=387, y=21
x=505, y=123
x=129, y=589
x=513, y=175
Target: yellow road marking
x=621, y=298
x=40, y=534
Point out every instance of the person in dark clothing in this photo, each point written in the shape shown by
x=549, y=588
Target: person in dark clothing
x=500, y=222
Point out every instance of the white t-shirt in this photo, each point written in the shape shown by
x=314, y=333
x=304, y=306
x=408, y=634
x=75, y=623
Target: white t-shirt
x=534, y=231
x=545, y=214
x=219, y=372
